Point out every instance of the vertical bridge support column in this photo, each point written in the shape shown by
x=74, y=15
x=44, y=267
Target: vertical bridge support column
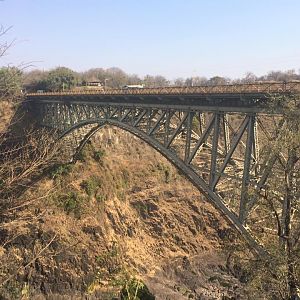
x=226, y=132
x=214, y=152
x=188, y=136
x=247, y=164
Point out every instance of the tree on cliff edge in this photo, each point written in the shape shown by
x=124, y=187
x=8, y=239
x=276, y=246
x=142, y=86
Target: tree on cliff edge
x=275, y=218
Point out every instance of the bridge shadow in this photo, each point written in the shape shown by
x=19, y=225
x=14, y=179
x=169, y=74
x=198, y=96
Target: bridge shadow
x=26, y=151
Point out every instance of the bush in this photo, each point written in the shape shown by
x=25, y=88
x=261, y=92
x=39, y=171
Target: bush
x=91, y=185
x=10, y=82
x=142, y=209
x=81, y=156
x=112, y=269
x=135, y=289
x=60, y=79
x=101, y=198
x=60, y=170
x=110, y=262
x=165, y=169
x=98, y=155
x=72, y=203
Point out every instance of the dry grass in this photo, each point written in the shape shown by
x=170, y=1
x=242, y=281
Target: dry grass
x=157, y=218
x=6, y=113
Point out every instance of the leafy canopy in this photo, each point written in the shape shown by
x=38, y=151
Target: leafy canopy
x=60, y=79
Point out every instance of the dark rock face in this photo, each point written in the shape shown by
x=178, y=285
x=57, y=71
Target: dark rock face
x=199, y=277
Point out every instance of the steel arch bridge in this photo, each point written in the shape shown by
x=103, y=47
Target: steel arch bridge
x=214, y=134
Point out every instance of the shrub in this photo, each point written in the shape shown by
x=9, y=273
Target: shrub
x=165, y=169
x=60, y=170
x=11, y=290
x=142, y=209
x=110, y=262
x=10, y=82
x=101, y=198
x=91, y=185
x=126, y=177
x=72, y=203
x=135, y=289
x=112, y=268
x=167, y=175
x=98, y=155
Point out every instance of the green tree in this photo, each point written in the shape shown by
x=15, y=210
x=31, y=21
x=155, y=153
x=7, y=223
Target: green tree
x=61, y=79
x=10, y=82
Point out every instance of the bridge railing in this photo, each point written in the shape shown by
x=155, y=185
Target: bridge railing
x=261, y=88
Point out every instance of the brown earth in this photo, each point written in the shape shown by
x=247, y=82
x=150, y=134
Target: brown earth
x=6, y=113
x=120, y=212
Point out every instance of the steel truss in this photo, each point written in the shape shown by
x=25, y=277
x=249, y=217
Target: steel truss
x=217, y=151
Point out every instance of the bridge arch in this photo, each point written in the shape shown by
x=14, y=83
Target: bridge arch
x=186, y=170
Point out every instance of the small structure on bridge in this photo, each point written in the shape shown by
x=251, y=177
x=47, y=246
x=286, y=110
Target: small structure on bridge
x=94, y=83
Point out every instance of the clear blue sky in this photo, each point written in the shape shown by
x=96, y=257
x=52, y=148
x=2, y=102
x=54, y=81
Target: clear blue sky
x=174, y=38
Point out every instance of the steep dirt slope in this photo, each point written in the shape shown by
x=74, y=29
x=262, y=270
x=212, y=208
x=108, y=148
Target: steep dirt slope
x=6, y=113
x=121, y=214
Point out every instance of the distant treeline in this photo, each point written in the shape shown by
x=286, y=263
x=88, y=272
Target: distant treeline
x=62, y=78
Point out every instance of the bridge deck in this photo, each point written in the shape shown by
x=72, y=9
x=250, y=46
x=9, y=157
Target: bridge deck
x=226, y=98
x=255, y=88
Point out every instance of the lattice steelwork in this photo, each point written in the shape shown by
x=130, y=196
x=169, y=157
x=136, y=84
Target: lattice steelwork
x=214, y=142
